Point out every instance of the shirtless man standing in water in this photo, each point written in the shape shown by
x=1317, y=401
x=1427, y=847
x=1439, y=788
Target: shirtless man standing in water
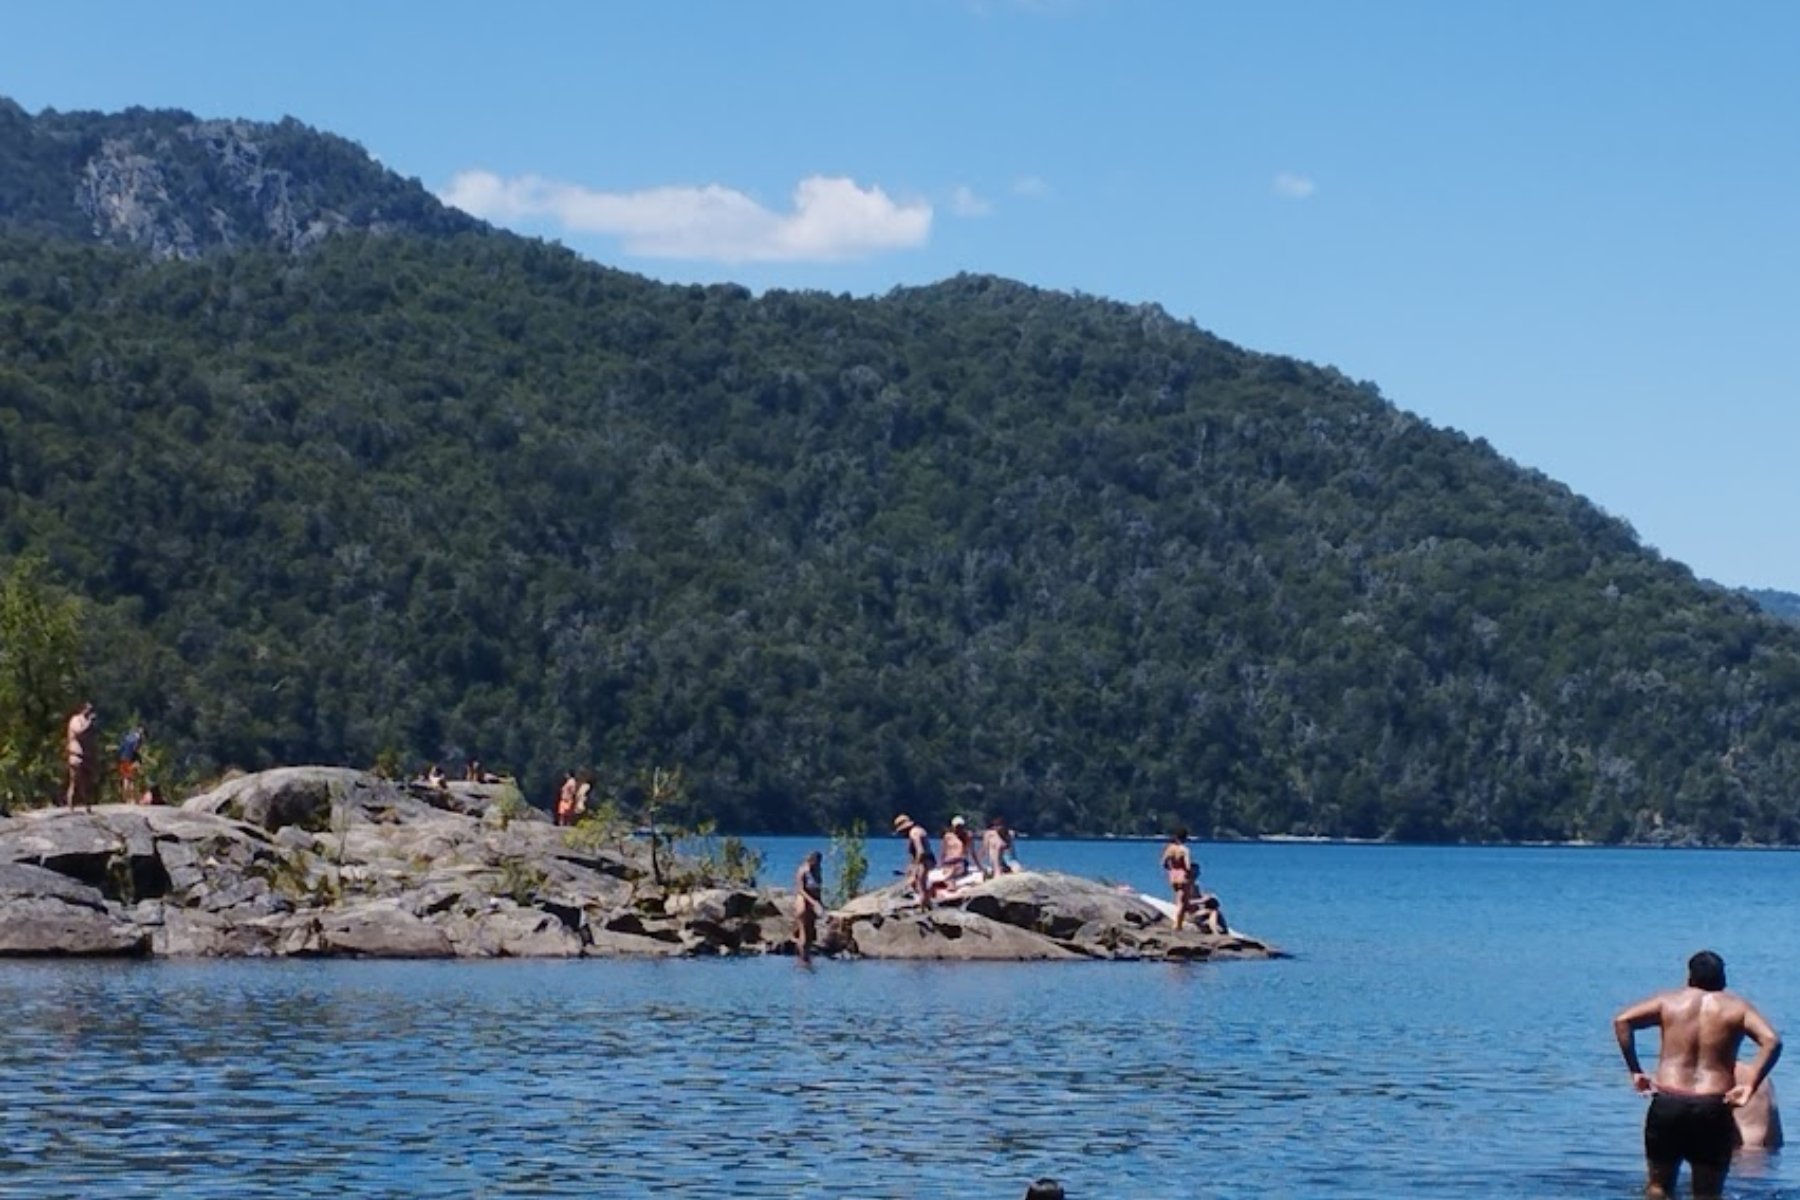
x=1695, y=1088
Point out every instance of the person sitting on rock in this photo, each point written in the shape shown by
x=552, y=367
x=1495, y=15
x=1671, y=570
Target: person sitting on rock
x=1178, y=864
x=919, y=858
x=1208, y=915
x=957, y=850
x=997, y=848
x=434, y=779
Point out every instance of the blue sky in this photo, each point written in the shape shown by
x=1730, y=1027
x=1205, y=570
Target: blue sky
x=1572, y=229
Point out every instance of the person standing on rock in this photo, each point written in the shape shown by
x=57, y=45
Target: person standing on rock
x=1178, y=864
x=565, y=800
x=80, y=750
x=131, y=755
x=919, y=858
x=809, y=904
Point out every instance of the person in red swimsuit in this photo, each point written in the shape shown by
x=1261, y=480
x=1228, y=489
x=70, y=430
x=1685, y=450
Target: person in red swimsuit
x=1178, y=864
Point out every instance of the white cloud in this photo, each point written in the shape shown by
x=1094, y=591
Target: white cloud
x=1030, y=185
x=832, y=217
x=965, y=203
x=1294, y=187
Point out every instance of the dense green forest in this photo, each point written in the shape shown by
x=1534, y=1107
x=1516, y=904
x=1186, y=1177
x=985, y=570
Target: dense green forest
x=967, y=547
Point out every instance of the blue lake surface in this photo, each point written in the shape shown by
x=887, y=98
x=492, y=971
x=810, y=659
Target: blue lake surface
x=1442, y=1031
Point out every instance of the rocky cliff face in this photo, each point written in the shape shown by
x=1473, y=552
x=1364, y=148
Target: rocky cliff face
x=126, y=193
x=177, y=186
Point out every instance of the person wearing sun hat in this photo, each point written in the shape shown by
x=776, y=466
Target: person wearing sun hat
x=919, y=860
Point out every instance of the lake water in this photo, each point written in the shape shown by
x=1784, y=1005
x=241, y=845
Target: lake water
x=1442, y=1031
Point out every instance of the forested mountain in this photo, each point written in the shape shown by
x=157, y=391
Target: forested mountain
x=966, y=547
x=1785, y=605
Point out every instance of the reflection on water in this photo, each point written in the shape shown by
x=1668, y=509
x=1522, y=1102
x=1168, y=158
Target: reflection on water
x=1424, y=1061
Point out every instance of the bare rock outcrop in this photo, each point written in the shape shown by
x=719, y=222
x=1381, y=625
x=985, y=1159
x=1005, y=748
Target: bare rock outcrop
x=1030, y=915
x=323, y=861
x=43, y=912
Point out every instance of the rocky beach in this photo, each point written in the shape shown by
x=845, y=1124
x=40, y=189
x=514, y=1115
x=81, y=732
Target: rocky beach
x=317, y=861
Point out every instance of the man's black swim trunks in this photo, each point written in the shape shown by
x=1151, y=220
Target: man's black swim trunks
x=1698, y=1129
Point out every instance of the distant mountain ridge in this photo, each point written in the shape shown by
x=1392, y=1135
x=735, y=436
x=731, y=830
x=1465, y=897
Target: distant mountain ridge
x=176, y=187
x=1785, y=605
x=415, y=490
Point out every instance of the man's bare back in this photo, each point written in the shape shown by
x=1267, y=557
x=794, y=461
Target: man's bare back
x=1697, y=1085
x=1701, y=1032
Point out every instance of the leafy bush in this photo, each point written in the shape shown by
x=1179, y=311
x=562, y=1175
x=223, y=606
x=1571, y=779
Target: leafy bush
x=848, y=865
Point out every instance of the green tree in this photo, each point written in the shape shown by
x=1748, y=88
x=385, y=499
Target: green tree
x=40, y=656
x=849, y=864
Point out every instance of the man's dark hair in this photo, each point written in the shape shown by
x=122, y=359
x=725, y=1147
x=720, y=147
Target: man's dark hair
x=1044, y=1189
x=1706, y=971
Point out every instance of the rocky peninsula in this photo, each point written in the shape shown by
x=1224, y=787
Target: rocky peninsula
x=318, y=861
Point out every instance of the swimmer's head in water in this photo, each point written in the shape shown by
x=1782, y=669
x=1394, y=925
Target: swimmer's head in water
x=1706, y=971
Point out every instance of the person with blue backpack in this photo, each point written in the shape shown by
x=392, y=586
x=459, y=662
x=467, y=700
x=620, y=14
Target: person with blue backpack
x=131, y=756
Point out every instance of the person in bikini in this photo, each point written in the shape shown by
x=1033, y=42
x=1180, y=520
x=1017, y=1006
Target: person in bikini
x=1696, y=1087
x=80, y=750
x=919, y=858
x=809, y=903
x=1178, y=864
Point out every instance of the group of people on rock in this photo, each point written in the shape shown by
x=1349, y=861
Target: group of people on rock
x=962, y=856
x=473, y=772
x=1184, y=881
x=80, y=753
